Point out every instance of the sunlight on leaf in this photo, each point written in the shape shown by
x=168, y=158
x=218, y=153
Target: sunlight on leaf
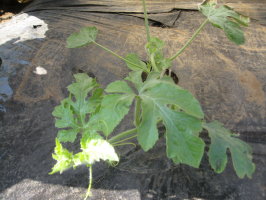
x=63, y=158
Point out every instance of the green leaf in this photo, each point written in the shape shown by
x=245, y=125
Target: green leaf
x=113, y=109
x=94, y=148
x=225, y=18
x=135, y=78
x=183, y=142
x=147, y=130
x=119, y=87
x=64, y=115
x=80, y=89
x=72, y=113
x=134, y=58
x=155, y=50
x=94, y=102
x=155, y=45
x=166, y=92
x=182, y=129
x=82, y=38
x=63, y=158
x=68, y=135
x=221, y=140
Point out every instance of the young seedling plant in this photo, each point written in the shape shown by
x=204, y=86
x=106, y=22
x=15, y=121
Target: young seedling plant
x=94, y=112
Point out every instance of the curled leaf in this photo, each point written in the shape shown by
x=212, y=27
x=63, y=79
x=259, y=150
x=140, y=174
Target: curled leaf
x=225, y=18
x=63, y=157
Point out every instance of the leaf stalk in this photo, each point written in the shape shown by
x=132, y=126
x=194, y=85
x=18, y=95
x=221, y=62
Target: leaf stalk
x=122, y=135
x=90, y=184
x=146, y=20
x=137, y=111
x=190, y=40
x=118, y=56
x=131, y=137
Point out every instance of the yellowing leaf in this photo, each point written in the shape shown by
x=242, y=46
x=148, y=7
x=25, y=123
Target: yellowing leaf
x=94, y=148
x=63, y=158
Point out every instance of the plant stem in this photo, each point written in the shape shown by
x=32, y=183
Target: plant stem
x=190, y=40
x=122, y=135
x=153, y=63
x=146, y=20
x=121, y=144
x=124, y=139
x=90, y=184
x=118, y=56
x=137, y=111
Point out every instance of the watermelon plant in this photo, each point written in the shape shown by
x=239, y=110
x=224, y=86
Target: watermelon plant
x=94, y=112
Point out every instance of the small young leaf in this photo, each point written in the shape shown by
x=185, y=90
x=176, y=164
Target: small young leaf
x=63, y=157
x=72, y=113
x=82, y=38
x=155, y=49
x=80, y=89
x=68, y=135
x=119, y=87
x=134, y=58
x=155, y=45
x=94, y=148
x=225, y=18
x=221, y=140
x=64, y=115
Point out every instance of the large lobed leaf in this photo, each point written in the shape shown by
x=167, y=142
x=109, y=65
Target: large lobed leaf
x=182, y=127
x=183, y=142
x=164, y=92
x=221, y=140
x=85, y=36
x=225, y=18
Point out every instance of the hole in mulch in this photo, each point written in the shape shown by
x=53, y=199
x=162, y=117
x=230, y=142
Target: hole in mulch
x=167, y=72
x=144, y=76
x=172, y=75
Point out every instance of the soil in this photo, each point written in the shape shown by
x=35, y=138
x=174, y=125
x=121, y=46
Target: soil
x=27, y=132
